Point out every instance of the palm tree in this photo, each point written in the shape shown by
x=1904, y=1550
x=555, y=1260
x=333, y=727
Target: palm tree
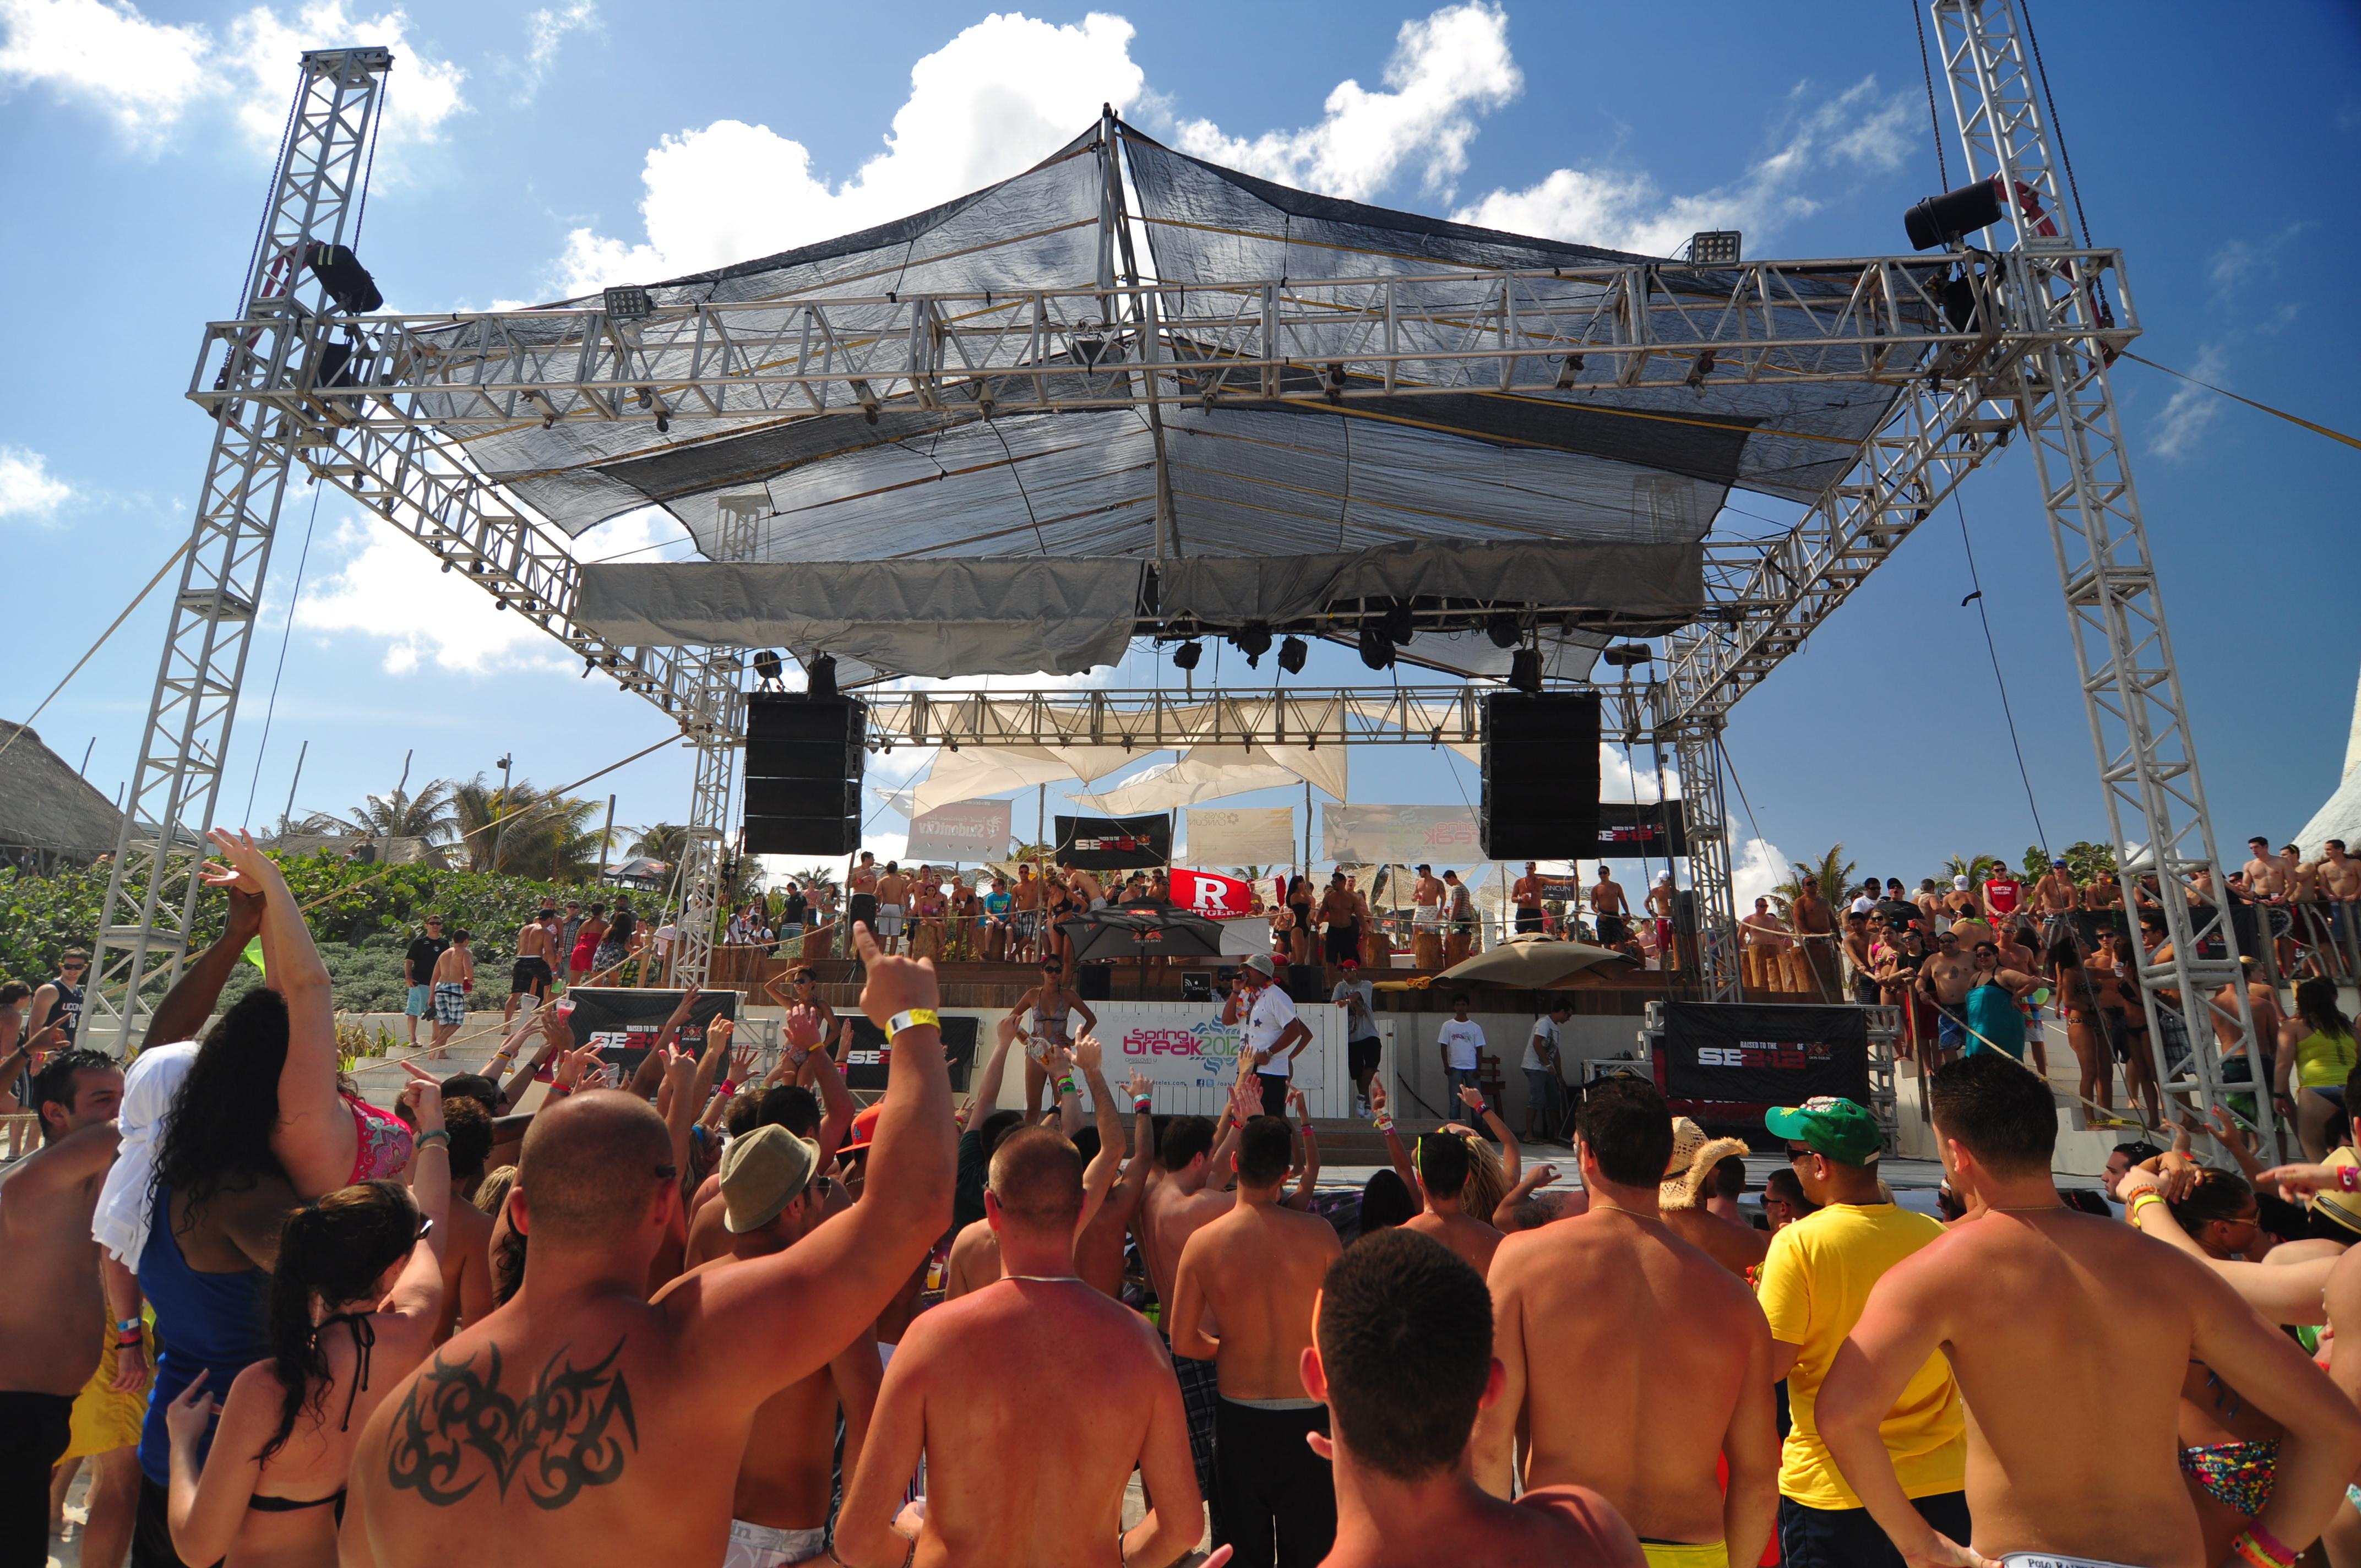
x=430, y=814
x=532, y=833
x=1975, y=869
x=665, y=841
x=1829, y=879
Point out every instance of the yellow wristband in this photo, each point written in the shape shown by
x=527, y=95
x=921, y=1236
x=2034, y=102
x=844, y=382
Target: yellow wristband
x=916, y=1017
x=2132, y=1214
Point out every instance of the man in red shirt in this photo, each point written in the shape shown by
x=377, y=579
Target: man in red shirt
x=2002, y=895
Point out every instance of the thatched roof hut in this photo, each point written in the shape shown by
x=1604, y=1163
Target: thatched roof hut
x=49, y=815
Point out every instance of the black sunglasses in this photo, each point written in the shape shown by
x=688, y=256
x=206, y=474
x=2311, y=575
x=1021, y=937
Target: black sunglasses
x=1794, y=1154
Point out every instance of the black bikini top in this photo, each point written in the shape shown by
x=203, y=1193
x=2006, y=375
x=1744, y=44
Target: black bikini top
x=364, y=1331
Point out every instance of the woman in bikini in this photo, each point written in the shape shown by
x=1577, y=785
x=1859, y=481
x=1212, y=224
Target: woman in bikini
x=2090, y=998
x=2229, y=1450
x=354, y=1304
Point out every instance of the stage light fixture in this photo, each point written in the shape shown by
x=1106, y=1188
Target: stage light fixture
x=1501, y=628
x=766, y=667
x=1526, y=671
x=1398, y=626
x=1377, y=653
x=1185, y=656
x=1699, y=369
x=1568, y=369
x=820, y=676
x=1254, y=642
x=1715, y=247
x=1944, y=219
x=342, y=277
x=1623, y=655
x=1291, y=655
x=628, y=302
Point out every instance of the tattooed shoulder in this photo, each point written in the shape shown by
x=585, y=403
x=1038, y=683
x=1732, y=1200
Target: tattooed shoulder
x=456, y=1427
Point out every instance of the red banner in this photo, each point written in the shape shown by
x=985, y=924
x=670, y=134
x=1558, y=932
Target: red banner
x=1215, y=898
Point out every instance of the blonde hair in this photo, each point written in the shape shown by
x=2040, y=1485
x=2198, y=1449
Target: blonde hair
x=1487, y=1178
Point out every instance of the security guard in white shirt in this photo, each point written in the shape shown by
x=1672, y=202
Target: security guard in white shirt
x=1275, y=1035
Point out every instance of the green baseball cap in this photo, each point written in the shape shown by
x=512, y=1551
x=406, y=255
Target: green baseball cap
x=1841, y=1129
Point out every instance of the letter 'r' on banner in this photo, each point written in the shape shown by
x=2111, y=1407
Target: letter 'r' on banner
x=1203, y=892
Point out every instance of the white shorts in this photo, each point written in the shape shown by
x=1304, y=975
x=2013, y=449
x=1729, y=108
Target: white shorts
x=760, y=1546
x=889, y=919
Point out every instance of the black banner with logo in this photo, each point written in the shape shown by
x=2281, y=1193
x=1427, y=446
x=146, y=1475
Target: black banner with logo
x=865, y=1066
x=623, y=1023
x=1628, y=832
x=1115, y=843
x=1762, y=1054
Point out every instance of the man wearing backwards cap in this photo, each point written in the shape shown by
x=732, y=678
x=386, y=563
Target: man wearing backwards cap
x=1816, y=1280
x=771, y=1198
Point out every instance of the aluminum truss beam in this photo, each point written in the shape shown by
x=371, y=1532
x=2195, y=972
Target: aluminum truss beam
x=716, y=724
x=2158, y=822
x=151, y=894
x=1311, y=341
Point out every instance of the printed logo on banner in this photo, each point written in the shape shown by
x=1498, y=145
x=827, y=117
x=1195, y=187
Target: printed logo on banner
x=1209, y=1044
x=1784, y=1056
x=1206, y=893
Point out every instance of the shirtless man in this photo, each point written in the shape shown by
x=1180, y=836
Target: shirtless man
x=892, y=908
x=52, y=1312
x=536, y=951
x=580, y=1422
x=1403, y=1326
x=1861, y=959
x=1011, y=1480
x=1660, y=902
x=2070, y=1337
x=1026, y=934
x=1050, y=1002
x=1631, y=1362
x=1764, y=940
x=1341, y=918
x=1253, y=1275
x=771, y=1199
x=1945, y=979
x=1609, y=910
x=2102, y=892
x=1443, y=1167
x=974, y=1260
x=1180, y=1202
x=1426, y=919
x=2266, y=878
x=1815, y=925
x=1092, y=893
x=860, y=886
x=1099, y=1245
x=2055, y=899
x=454, y=976
x=1527, y=896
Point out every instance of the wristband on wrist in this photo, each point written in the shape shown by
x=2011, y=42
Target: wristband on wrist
x=1139, y=1105
x=434, y=1135
x=1384, y=1124
x=127, y=1325
x=2257, y=1546
x=914, y=1018
x=1066, y=1086
x=2140, y=1203
x=2348, y=1179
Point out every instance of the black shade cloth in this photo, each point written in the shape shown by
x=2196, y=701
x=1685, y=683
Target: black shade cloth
x=1137, y=933
x=1767, y=1053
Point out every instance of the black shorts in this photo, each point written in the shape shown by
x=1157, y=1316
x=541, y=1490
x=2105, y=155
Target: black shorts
x=530, y=975
x=1275, y=1498
x=1613, y=930
x=863, y=910
x=1361, y=1057
x=1529, y=919
x=1344, y=942
x=33, y=1432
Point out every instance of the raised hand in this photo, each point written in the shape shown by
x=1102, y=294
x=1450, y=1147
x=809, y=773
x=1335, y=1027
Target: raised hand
x=1138, y=1084
x=573, y=1068
x=718, y=1033
x=894, y=984
x=1086, y=1052
x=679, y=1067
x=424, y=1095
x=742, y=1063
x=1295, y=1099
x=556, y=1035
x=803, y=1029
x=186, y=1418
x=1472, y=1097
x=1377, y=1098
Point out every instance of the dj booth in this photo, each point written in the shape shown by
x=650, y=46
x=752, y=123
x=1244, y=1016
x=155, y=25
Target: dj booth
x=1725, y=1064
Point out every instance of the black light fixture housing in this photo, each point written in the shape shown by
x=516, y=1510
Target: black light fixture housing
x=820, y=676
x=1500, y=626
x=1253, y=640
x=1526, y=671
x=628, y=302
x=1291, y=655
x=1398, y=626
x=1715, y=247
x=1623, y=655
x=1943, y=220
x=766, y=667
x=341, y=274
x=1377, y=653
x=1185, y=656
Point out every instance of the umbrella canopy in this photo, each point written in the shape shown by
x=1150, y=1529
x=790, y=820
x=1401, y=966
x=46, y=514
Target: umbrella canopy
x=1139, y=933
x=1531, y=963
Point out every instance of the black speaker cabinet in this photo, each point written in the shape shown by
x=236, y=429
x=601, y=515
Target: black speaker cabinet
x=1541, y=776
x=803, y=760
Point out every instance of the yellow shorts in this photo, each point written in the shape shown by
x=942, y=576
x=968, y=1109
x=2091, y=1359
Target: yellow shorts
x=104, y=1421
x=1670, y=1554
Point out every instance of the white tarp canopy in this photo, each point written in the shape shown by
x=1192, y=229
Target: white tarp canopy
x=1209, y=772
x=1240, y=836
x=978, y=771
x=2340, y=816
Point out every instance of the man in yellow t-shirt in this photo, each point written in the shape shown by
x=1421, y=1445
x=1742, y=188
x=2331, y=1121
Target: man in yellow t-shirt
x=1816, y=1280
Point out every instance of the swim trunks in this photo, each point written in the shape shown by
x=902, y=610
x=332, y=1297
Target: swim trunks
x=420, y=1003
x=889, y=919
x=104, y=1420
x=450, y=1003
x=760, y=1546
x=1673, y=1554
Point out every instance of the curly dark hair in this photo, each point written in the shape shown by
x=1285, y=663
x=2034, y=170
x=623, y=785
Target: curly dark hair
x=332, y=1252
x=218, y=1136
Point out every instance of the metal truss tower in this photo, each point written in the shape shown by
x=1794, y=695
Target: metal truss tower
x=151, y=891
x=2158, y=822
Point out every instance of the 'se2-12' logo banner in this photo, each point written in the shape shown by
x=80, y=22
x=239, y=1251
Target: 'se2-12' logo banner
x=1115, y=843
x=1764, y=1054
x=622, y=1023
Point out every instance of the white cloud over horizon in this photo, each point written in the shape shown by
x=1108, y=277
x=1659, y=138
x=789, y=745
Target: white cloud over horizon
x=1760, y=867
x=2190, y=411
x=27, y=488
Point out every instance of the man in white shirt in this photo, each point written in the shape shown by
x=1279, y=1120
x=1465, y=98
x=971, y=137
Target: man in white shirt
x=1543, y=1080
x=1358, y=998
x=1275, y=1035
x=1462, y=1042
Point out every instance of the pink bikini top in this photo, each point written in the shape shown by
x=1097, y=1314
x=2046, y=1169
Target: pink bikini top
x=384, y=1142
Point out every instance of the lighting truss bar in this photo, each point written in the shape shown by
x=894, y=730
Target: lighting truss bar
x=1300, y=341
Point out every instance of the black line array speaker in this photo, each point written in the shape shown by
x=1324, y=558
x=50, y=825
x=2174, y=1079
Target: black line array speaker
x=804, y=757
x=1541, y=776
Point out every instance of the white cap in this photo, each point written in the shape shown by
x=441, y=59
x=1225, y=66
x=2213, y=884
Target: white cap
x=1664, y=876
x=1861, y=905
x=1961, y=882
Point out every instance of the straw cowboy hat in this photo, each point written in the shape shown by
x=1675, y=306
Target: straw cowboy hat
x=1694, y=1157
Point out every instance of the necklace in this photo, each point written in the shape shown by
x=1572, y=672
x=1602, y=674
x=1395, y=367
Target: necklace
x=1046, y=1279
x=2035, y=1209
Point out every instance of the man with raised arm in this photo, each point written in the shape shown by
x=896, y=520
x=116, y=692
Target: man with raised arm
x=1012, y=1479
x=1443, y=1167
x=2070, y=1337
x=1402, y=1362
x=1630, y=1361
x=580, y=1422
x=1183, y=1200
x=1252, y=1277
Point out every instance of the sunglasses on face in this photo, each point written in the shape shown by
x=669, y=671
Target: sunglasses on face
x=1796, y=1153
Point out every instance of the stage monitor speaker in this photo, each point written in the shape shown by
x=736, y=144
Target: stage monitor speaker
x=804, y=764
x=1307, y=982
x=1094, y=982
x=1541, y=776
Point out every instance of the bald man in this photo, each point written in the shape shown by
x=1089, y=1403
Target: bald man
x=581, y=1422
x=1012, y=1476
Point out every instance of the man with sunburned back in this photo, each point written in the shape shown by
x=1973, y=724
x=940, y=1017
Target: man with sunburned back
x=581, y=1422
x=1443, y=1166
x=2070, y=1337
x=1632, y=1361
x=1010, y=1478
x=1403, y=1362
x=1253, y=1275
x=1183, y=1200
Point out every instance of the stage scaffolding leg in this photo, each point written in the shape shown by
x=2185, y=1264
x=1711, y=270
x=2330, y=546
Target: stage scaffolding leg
x=151, y=893
x=1697, y=755
x=715, y=724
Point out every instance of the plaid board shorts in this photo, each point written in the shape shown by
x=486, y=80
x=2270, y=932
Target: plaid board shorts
x=1201, y=1395
x=450, y=1003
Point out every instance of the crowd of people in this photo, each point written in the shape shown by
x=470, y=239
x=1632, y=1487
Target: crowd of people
x=714, y=1314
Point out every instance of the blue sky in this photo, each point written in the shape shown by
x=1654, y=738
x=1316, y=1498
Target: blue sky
x=533, y=149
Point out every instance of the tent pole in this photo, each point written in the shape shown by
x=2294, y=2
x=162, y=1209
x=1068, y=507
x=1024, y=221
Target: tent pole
x=303, y=753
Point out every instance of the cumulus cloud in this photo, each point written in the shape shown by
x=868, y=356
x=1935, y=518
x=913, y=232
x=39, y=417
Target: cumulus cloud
x=2190, y=411
x=1859, y=130
x=546, y=28
x=1760, y=867
x=146, y=75
x=1445, y=72
x=1000, y=96
x=27, y=486
x=384, y=586
x=1632, y=777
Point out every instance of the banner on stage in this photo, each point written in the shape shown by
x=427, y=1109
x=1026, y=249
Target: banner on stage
x=1213, y=896
x=1651, y=832
x=622, y=1022
x=1403, y=835
x=1115, y=843
x=1185, y=1045
x=966, y=832
x=1220, y=836
x=1762, y=1054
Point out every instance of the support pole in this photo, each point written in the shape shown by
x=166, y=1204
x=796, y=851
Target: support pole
x=286, y=818
x=714, y=724
x=606, y=838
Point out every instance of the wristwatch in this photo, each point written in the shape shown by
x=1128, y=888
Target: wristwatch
x=913, y=1018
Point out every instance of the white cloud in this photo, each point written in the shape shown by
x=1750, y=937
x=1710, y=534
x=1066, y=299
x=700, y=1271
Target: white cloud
x=146, y=75
x=1444, y=70
x=1000, y=96
x=2190, y=411
x=27, y=487
x=1760, y=867
x=388, y=586
x=1633, y=777
x=2251, y=257
x=141, y=74
x=1625, y=210
x=546, y=28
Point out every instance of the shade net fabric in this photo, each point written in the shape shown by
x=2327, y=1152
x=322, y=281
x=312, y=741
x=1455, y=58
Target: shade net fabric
x=1645, y=469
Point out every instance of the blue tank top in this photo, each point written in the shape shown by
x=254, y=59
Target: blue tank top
x=204, y=1322
x=1994, y=1013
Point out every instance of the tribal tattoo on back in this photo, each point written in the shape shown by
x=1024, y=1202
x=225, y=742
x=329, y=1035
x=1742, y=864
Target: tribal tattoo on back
x=455, y=1426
